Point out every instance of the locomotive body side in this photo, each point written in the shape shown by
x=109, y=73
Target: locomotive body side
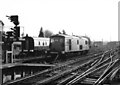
x=71, y=44
x=85, y=44
x=76, y=44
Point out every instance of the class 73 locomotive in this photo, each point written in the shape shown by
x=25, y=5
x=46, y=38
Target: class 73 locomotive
x=64, y=44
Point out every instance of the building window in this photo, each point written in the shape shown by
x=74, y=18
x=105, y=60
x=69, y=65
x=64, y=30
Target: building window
x=43, y=43
x=39, y=43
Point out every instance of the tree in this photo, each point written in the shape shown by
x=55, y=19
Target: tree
x=64, y=32
x=59, y=32
x=48, y=33
x=41, y=34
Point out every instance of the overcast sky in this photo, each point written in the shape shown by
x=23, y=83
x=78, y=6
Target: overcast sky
x=97, y=19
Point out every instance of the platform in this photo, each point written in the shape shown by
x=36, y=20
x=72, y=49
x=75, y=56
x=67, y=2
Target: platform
x=9, y=65
x=3, y=66
x=31, y=64
x=26, y=59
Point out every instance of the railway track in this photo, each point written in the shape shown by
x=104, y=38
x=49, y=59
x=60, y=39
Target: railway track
x=69, y=69
x=47, y=58
x=81, y=71
x=99, y=73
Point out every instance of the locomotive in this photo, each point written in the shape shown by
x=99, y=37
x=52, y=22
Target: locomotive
x=65, y=44
x=31, y=46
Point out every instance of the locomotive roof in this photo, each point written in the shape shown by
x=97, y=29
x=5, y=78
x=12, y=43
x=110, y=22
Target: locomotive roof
x=73, y=36
x=63, y=35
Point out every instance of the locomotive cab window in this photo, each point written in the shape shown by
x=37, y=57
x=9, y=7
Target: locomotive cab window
x=86, y=42
x=61, y=40
x=57, y=39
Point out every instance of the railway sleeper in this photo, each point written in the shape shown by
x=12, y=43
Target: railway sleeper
x=60, y=75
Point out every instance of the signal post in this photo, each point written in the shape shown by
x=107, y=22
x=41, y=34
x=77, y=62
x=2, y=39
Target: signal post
x=12, y=36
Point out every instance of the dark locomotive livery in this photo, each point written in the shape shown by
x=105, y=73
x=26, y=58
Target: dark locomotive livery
x=27, y=44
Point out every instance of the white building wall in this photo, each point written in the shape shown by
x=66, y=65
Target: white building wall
x=39, y=41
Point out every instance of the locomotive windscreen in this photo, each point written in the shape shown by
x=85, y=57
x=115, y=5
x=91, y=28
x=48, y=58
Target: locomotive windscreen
x=57, y=44
x=56, y=39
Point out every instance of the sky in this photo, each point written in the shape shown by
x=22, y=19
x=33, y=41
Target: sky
x=97, y=19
